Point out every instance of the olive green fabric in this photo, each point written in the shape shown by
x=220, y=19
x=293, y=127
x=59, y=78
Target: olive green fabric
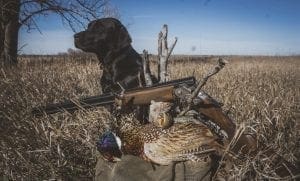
x=133, y=168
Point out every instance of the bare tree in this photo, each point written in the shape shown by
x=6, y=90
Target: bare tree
x=18, y=13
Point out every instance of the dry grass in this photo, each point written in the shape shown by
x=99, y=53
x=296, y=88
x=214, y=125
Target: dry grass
x=262, y=92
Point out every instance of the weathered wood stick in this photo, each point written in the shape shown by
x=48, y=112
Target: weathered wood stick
x=172, y=47
x=159, y=51
x=163, y=54
x=215, y=70
x=146, y=68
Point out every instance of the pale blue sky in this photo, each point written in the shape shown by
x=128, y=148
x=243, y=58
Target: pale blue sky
x=203, y=27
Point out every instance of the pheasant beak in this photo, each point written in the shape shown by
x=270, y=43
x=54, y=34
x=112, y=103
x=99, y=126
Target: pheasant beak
x=111, y=158
x=116, y=159
x=165, y=120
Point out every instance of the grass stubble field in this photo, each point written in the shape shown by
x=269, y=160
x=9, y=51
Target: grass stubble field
x=262, y=92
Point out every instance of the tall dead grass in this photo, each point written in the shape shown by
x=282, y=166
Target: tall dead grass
x=262, y=92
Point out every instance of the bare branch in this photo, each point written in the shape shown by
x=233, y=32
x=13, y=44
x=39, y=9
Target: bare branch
x=163, y=50
x=159, y=50
x=146, y=68
x=164, y=54
x=75, y=13
x=215, y=70
x=28, y=17
x=171, y=50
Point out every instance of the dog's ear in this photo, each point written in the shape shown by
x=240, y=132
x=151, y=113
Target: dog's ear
x=124, y=38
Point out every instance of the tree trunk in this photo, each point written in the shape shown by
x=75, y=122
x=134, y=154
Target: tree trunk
x=10, y=33
x=2, y=28
x=1, y=42
x=10, y=49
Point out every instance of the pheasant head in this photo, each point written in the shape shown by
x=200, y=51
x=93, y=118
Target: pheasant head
x=109, y=145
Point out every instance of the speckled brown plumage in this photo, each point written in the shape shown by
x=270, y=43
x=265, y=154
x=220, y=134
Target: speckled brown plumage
x=180, y=142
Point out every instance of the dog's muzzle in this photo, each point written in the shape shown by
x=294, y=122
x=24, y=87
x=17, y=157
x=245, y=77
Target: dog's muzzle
x=77, y=40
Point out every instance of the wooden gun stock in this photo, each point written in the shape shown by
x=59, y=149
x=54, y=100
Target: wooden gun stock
x=246, y=144
x=214, y=112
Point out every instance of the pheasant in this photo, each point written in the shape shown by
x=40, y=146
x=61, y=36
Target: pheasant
x=179, y=142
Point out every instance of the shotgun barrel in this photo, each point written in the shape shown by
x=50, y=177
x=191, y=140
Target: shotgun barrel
x=104, y=99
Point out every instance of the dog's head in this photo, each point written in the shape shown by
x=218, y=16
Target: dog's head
x=102, y=36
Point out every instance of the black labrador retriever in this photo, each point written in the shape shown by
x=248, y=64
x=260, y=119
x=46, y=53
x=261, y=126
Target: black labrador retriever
x=122, y=65
x=111, y=42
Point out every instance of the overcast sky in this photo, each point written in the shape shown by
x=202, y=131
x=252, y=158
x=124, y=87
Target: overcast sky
x=203, y=27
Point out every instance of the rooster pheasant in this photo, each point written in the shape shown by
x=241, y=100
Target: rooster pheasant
x=180, y=142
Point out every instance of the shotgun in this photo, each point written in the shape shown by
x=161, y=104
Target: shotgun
x=137, y=96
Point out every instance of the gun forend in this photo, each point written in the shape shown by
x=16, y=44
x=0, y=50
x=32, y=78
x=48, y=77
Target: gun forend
x=145, y=97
